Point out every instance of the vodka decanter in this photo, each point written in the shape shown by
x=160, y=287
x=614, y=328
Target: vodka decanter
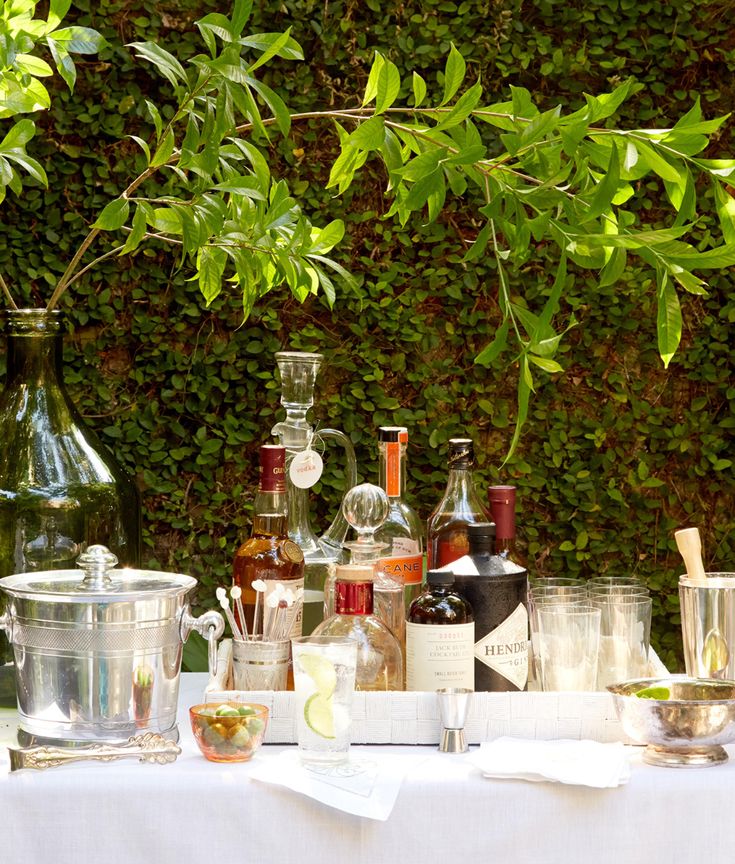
x=303, y=469
x=366, y=507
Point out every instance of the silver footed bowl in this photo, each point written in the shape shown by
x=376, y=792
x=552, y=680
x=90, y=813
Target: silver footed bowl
x=684, y=724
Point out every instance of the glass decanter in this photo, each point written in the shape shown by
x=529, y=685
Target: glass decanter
x=298, y=376
x=366, y=507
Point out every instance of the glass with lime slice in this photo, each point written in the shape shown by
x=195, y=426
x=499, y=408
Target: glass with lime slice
x=324, y=680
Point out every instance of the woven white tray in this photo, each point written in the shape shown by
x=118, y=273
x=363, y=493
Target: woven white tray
x=413, y=718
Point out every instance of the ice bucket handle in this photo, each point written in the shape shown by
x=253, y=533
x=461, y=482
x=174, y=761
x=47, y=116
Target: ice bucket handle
x=210, y=626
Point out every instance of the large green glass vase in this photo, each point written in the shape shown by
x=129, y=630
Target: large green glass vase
x=60, y=488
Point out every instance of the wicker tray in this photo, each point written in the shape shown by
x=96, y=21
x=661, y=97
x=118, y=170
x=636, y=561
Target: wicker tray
x=413, y=718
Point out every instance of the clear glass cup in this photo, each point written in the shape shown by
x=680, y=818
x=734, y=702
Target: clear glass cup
x=625, y=633
x=546, y=594
x=616, y=584
x=324, y=681
x=260, y=665
x=568, y=643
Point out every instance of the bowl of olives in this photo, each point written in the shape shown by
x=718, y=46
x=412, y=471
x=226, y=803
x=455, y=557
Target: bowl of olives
x=228, y=731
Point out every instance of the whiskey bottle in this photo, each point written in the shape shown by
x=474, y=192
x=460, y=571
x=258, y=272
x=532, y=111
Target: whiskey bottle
x=459, y=507
x=402, y=531
x=497, y=591
x=268, y=556
x=440, y=637
x=379, y=657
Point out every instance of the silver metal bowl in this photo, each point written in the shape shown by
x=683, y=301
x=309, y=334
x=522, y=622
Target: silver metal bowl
x=685, y=730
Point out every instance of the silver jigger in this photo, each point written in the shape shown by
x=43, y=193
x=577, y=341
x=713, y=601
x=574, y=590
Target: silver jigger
x=453, y=705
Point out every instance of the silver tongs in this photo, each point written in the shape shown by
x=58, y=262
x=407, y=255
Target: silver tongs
x=150, y=747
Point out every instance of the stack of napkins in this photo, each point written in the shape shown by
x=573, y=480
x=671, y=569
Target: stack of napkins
x=367, y=785
x=579, y=763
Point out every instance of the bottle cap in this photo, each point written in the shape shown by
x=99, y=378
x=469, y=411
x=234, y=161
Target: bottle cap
x=481, y=536
x=502, y=508
x=393, y=433
x=272, y=468
x=355, y=573
x=460, y=453
x=440, y=577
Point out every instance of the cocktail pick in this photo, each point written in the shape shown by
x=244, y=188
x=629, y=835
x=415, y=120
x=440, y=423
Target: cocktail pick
x=224, y=602
x=236, y=594
x=259, y=587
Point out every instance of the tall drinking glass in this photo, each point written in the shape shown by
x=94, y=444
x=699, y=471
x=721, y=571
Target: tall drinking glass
x=625, y=633
x=568, y=641
x=324, y=680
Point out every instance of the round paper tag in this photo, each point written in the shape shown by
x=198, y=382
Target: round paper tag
x=306, y=469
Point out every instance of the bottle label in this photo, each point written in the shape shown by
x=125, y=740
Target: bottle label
x=305, y=469
x=276, y=614
x=392, y=468
x=505, y=649
x=439, y=655
x=406, y=568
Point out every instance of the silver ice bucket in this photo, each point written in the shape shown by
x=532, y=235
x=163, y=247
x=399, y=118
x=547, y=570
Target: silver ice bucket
x=98, y=651
x=708, y=625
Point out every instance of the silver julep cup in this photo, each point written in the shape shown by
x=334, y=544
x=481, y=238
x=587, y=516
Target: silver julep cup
x=708, y=625
x=454, y=702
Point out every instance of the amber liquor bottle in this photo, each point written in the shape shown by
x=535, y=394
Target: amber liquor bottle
x=440, y=637
x=459, y=507
x=268, y=557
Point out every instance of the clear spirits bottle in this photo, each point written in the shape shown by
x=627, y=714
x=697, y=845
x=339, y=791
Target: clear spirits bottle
x=402, y=532
x=379, y=657
x=447, y=537
x=268, y=555
x=440, y=637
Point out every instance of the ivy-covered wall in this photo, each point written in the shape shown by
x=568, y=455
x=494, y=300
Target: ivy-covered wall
x=617, y=453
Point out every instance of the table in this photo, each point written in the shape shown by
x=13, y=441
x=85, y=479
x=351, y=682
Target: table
x=195, y=811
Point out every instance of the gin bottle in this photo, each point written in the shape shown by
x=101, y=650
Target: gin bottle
x=459, y=507
x=379, y=657
x=497, y=591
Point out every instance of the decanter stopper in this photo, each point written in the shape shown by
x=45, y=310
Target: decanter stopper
x=365, y=507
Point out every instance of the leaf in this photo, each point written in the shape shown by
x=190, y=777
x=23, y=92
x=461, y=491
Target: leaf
x=371, y=88
x=113, y=216
x=273, y=50
x=164, y=150
x=668, y=319
x=524, y=393
x=19, y=135
x=34, y=168
x=64, y=63
x=419, y=193
x=143, y=146
x=725, y=204
x=545, y=363
x=211, y=262
x=389, y=83
x=241, y=14
x=454, y=72
x=657, y=163
x=369, y=134
x=606, y=188
x=614, y=267
x=80, y=40
x=328, y=237
x=243, y=184
x=419, y=89
x=289, y=50
x=275, y=103
x=477, y=249
x=166, y=63
x=464, y=106
x=491, y=352
x=138, y=231
x=33, y=65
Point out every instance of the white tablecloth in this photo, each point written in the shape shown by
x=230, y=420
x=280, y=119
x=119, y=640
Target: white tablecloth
x=197, y=811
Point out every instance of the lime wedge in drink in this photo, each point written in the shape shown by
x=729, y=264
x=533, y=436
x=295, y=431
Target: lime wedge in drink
x=319, y=715
x=662, y=693
x=321, y=671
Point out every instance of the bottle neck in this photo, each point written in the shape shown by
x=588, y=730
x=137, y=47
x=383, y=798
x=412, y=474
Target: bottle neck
x=34, y=347
x=270, y=514
x=353, y=598
x=392, y=467
x=461, y=486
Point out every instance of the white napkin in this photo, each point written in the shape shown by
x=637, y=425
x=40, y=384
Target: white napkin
x=579, y=763
x=367, y=785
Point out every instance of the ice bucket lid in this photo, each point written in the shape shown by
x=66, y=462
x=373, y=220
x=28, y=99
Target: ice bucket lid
x=96, y=578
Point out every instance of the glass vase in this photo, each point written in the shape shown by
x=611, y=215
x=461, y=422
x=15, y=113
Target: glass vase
x=60, y=489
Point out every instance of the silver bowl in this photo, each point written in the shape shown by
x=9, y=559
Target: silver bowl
x=687, y=729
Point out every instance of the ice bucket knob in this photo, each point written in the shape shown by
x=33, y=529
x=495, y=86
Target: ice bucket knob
x=95, y=563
